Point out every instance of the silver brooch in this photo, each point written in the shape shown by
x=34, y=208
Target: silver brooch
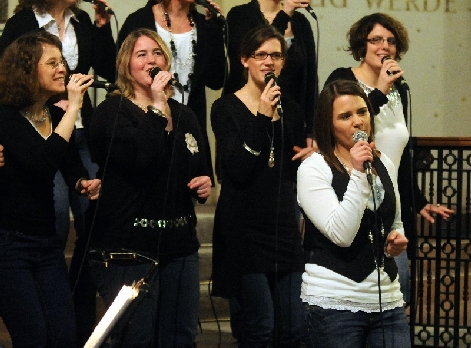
x=191, y=143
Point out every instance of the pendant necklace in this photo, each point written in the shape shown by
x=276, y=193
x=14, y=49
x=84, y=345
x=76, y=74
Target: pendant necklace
x=37, y=121
x=271, y=157
x=191, y=59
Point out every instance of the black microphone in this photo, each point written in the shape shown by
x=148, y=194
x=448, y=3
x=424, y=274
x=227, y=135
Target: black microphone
x=271, y=75
x=400, y=79
x=214, y=13
x=311, y=12
x=102, y=8
x=103, y=84
x=361, y=135
x=155, y=70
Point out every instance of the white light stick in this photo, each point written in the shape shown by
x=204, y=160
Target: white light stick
x=125, y=296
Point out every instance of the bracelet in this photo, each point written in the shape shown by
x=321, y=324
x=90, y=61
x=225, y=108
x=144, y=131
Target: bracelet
x=253, y=152
x=156, y=111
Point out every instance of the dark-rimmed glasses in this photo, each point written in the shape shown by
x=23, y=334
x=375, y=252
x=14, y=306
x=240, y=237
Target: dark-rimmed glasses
x=378, y=40
x=263, y=55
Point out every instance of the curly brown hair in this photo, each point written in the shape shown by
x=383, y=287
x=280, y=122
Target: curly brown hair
x=42, y=6
x=358, y=33
x=19, y=83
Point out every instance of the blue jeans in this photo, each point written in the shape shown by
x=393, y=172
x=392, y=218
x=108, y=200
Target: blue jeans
x=35, y=299
x=402, y=263
x=166, y=315
x=331, y=328
x=65, y=196
x=84, y=289
x=271, y=309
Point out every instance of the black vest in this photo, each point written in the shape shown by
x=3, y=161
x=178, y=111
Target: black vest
x=357, y=261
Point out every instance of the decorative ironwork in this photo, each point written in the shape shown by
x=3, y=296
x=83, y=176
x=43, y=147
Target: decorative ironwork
x=440, y=312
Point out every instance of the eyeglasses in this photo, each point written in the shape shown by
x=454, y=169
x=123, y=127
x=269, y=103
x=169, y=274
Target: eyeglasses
x=263, y=55
x=55, y=64
x=377, y=40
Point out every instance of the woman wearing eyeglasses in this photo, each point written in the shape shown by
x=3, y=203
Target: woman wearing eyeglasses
x=86, y=44
x=35, y=298
x=378, y=41
x=257, y=254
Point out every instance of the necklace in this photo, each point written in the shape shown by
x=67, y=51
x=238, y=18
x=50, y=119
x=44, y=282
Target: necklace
x=37, y=121
x=271, y=157
x=179, y=63
x=140, y=106
x=349, y=170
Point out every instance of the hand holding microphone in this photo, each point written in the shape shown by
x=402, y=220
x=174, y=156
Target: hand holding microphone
x=173, y=82
x=361, y=154
x=394, y=70
x=277, y=98
x=101, y=7
x=212, y=8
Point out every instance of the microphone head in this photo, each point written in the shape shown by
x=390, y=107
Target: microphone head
x=385, y=58
x=360, y=135
x=270, y=75
x=154, y=71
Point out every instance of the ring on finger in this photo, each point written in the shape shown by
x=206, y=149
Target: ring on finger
x=75, y=80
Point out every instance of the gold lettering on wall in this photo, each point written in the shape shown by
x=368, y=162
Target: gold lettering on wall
x=426, y=6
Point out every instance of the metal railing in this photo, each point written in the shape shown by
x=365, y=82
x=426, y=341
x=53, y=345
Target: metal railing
x=440, y=312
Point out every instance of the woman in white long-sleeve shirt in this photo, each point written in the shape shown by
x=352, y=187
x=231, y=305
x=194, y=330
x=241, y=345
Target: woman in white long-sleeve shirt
x=350, y=284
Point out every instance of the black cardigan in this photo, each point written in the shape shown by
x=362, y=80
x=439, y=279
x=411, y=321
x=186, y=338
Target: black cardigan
x=409, y=193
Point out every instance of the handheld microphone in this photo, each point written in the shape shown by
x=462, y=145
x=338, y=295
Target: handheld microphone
x=103, y=84
x=361, y=135
x=102, y=8
x=311, y=12
x=400, y=79
x=271, y=75
x=214, y=13
x=155, y=70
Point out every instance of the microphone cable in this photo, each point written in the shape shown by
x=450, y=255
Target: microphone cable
x=376, y=245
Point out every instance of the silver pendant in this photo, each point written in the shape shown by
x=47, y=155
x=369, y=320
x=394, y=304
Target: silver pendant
x=271, y=158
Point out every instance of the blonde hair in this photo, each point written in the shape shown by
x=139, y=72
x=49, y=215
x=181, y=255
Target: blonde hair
x=125, y=80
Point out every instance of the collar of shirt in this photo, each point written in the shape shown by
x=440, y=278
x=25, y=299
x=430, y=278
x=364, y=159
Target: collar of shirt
x=45, y=20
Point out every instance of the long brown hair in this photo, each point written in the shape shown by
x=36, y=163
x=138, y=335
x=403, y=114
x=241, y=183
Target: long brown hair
x=19, y=83
x=323, y=119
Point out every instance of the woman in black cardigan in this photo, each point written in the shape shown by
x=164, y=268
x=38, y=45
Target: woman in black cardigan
x=86, y=45
x=208, y=57
x=298, y=78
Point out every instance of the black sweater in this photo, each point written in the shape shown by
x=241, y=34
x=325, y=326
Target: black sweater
x=146, y=177
x=298, y=78
x=26, y=180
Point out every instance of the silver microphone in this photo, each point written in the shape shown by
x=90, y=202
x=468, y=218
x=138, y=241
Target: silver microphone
x=361, y=135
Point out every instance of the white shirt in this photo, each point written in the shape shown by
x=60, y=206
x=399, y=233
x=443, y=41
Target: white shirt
x=69, y=42
x=184, y=64
x=391, y=133
x=339, y=222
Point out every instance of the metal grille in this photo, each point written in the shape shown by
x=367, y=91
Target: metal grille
x=440, y=314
